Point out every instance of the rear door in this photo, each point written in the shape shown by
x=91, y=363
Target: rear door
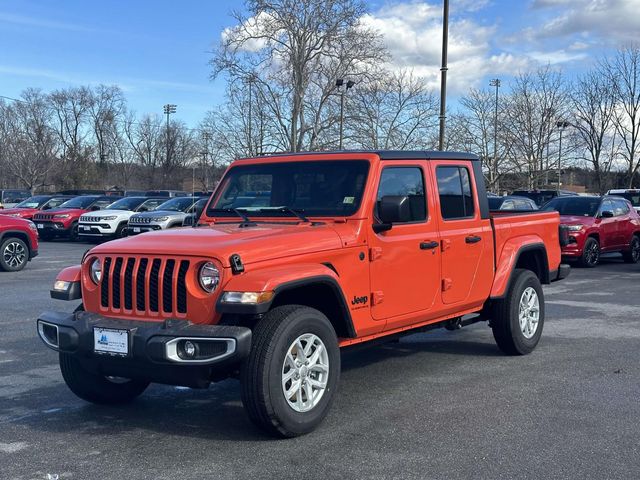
x=405, y=264
x=622, y=213
x=466, y=238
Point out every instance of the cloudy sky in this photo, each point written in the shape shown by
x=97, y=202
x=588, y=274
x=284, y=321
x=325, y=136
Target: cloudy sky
x=157, y=50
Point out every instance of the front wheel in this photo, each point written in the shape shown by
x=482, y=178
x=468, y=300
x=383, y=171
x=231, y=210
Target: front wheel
x=633, y=254
x=96, y=388
x=518, y=319
x=14, y=255
x=73, y=233
x=590, y=253
x=291, y=376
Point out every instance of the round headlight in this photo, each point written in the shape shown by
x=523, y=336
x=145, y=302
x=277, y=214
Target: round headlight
x=209, y=277
x=96, y=271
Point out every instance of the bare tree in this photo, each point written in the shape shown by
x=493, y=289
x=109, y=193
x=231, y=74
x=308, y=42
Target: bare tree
x=292, y=52
x=28, y=139
x=624, y=71
x=593, y=101
x=537, y=101
x=106, y=111
x=396, y=111
x=146, y=140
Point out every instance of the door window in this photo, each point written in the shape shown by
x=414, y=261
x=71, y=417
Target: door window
x=406, y=182
x=454, y=188
x=620, y=207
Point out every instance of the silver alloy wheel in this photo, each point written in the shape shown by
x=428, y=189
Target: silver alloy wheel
x=529, y=312
x=14, y=254
x=305, y=372
x=635, y=249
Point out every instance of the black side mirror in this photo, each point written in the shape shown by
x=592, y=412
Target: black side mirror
x=94, y=208
x=392, y=209
x=143, y=209
x=606, y=214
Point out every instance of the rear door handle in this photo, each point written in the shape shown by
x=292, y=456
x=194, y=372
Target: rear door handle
x=472, y=239
x=428, y=245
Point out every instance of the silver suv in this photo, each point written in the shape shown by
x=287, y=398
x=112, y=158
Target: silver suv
x=168, y=215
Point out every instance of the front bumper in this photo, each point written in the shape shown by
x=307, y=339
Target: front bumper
x=152, y=347
x=135, y=229
x=96, y=229
x=50, y=227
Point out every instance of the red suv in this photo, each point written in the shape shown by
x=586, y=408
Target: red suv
x=598, y=224
x=18, y=243
x=32, y=205
x=63, y=221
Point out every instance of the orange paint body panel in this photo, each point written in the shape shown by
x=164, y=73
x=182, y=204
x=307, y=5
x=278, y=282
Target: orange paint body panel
x=410, y=275
x=70, y=274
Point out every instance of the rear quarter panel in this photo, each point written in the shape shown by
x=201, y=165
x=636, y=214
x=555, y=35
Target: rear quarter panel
x=515, y=231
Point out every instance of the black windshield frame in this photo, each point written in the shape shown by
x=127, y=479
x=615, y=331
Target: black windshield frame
x=341, y=183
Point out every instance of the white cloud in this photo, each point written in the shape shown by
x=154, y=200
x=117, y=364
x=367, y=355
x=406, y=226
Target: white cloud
x=412, y=32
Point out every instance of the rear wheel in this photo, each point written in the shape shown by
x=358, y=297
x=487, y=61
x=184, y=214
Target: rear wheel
x=518, y=319
x=590, y=253
x=96, y=388
x=291, y=376
x=633, y=254
x=14, y=255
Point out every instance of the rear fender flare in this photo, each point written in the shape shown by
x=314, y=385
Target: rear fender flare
x=511, y=253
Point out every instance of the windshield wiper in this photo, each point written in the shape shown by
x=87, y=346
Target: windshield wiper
x=297, y=213
x=246, y=221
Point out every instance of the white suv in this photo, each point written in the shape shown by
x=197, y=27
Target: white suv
x=631, y=194
x=112, y=222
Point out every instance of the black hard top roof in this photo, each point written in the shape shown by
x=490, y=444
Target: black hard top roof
x=387, y=154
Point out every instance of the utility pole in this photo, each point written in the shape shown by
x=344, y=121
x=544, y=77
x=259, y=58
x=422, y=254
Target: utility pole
x=207, y=137
x=443, y=74
x=169, y=108
x=493, y=172
x=339, y=84
x=561, y=126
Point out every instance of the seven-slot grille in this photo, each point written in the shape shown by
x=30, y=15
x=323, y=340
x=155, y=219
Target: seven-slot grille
x=43, y=216
x=154, y=286
x=140, y=220
x=84, y=218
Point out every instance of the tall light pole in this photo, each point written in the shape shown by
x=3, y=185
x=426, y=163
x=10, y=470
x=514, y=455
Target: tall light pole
x=562, y=124
x=443, y=70
x=494, y=168
x=206, y=136
x=342, y=87
x=169, y=108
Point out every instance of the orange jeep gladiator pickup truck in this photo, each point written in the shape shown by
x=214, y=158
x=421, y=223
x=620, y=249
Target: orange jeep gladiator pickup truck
x=294, y=257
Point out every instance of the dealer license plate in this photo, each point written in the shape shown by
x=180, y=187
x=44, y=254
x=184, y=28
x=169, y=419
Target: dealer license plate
x=110, y=340
x=86, y=228
x=39, y=225
x=136, y=230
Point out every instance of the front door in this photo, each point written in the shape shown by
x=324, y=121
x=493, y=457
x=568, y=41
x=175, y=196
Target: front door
x=609, y=235
x=405, y=263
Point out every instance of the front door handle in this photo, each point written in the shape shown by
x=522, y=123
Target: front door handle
x=472, y=239
x=428, y=245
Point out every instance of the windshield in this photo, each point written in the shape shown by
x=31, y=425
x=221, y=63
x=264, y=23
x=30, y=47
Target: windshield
x=634, y=198
x=181, y=204
x=320, y=188
x=580, y=206
x=79, y=202
x=127, y=203
x=33, y=202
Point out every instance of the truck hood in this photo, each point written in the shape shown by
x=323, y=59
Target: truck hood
x=253, y=244
x=20, y=212
x=577, y=220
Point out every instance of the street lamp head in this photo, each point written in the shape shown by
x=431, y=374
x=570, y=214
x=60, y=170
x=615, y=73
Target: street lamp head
x=494, y=82
x=350, y=84
x=169, y=108
x=562, y=124
x=339, y=82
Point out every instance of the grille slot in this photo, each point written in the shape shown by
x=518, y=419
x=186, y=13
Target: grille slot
x=146, y=285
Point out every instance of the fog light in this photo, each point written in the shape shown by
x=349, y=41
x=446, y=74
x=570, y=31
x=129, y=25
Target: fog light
x=189, y=349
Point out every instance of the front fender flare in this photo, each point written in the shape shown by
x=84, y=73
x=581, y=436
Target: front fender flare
x=71, y=275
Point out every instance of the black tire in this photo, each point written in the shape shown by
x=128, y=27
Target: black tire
x=590, y=253
x=96, y=388
x=73, y=232
x=262, y=373
x=14, y=254
x=505, y=321
x=633, y=254
x=121, y=231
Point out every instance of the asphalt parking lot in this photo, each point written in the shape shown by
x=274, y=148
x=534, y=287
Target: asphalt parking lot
x=435, y=405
